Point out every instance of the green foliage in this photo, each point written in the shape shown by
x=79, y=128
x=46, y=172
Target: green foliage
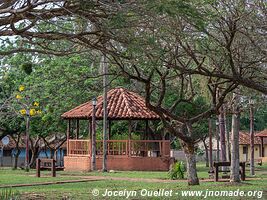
x=175, y=144
x=27, y=68
x=200, y=152
x=9, y=194
x=177, y=171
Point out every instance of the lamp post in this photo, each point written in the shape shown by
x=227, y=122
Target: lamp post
x=210, y=147
x=251, y=111
x=218, y=143
x=93, y=159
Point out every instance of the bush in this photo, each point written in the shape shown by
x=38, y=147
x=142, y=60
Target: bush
x=177, y=171
x=8, y=194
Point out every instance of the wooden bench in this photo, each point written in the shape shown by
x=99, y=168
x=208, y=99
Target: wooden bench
x=45, y=163
x=258, y=161
x=216, y=165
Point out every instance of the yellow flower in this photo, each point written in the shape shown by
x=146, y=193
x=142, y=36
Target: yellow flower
x=32, y=112
x=21, y=88
x=23, y=112
x=18, y=96
x=36, y=104
x=39, y=112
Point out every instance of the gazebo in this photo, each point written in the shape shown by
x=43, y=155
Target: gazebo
x=263, y=152
x=129, y=154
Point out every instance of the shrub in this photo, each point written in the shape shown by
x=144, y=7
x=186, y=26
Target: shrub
x=177, y=171
x=8, y=194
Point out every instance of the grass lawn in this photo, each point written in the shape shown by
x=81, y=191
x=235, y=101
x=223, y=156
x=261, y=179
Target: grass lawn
x=84, y=190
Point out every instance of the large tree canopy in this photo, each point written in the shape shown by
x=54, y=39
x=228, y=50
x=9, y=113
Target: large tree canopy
x=188, y=54
x=222, y=39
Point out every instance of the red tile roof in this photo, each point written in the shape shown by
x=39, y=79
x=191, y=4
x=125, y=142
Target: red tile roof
x=122, y=104
x=53, y=144
x=262, y=133
x=244, y=138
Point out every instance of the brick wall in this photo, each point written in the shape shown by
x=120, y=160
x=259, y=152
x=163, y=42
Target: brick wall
x=80, y=163
x=119, y=163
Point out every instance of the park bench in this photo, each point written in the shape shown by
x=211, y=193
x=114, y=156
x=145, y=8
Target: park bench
x=258, y=161
x=217, y=165
x=45, y=163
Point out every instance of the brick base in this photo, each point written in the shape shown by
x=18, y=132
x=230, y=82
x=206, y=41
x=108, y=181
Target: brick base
x=81, y=163
x=72, y=163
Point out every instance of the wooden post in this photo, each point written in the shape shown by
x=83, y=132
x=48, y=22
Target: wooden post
x=145, y=135
x=161, y=152
x=262, y=147
x=129, y=130
x=68, y=130
x=77, y=128
x=38, y=162
x=90, y=129
x=216, y=167
x=68, y=136
x=53, y=168
x=243, y=167
x=109, y=129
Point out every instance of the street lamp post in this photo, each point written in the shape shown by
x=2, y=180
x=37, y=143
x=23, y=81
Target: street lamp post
x=93, y=160
x=210, y=147
x=218, y=141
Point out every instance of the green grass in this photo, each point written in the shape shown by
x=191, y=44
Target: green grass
x=9, y=177
x=84, y=190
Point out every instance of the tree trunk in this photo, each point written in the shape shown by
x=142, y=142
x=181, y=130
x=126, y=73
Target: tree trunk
x=252, y=164
x=210, y=146
x=227, y=136
x=222, y=134
x=105, y=114
x=234, y=174
x=191, y=168
x=206, y=153
x=16, y=157
x=34, y=155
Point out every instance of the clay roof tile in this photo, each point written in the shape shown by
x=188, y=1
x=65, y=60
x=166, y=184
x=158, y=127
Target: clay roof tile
x=122, y=104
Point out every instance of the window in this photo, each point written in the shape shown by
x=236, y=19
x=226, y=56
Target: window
x=245, y=149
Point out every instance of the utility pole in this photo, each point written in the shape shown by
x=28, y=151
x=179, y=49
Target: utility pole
x=218, y=141
x=210, y=146
x=105, y=113
x=93, y=160
x=251, y=111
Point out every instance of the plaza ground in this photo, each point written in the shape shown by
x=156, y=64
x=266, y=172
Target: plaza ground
x=65, y=188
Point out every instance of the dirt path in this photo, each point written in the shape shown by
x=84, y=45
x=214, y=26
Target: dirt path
x=51, y=182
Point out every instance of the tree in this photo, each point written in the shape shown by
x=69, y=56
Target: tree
x=160, y=44
x=234, y=172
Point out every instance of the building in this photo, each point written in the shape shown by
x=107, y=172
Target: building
x=130, y=154
x=245, y=150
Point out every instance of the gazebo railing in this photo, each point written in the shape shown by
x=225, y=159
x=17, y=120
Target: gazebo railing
x=79, y=147
x=129, y=148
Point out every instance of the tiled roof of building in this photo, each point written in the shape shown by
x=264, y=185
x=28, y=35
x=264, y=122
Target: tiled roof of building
x=262, y=133
x=53, y=142
x=244, y=138
x=122, y=104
